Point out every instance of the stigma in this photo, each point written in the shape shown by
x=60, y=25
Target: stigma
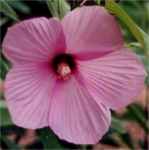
x=64, y=71
x=63, y=66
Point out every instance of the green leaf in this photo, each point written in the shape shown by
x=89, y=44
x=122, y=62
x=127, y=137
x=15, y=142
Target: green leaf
x=117, y=125
x=115, y=9
x=58, y=8
x=3, y=20
x=4, y=68
x=48, y=139
x=7, y=10
x=98, y=2
x=146, y=41
x=10, y=144
x=5, y=118
x=126, y=138
x=136, y=113
x=20, y=6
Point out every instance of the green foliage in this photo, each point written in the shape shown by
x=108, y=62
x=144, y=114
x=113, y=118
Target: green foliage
x=126, y=138
x=19, y=5
x=146, y=41
x=4, y=65
x=48, y=139
x=117, y=125
x=3, y=20
x=11, y=145
x=4, y=114
x=136, y=113
x=98, y=2
x=58, y=8
x=7, y=10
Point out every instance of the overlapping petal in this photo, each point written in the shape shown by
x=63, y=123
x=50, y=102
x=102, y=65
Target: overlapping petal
x=91, y=32
x=34, y=40
x=28, y=92
x=114, y=79
x=75, y=116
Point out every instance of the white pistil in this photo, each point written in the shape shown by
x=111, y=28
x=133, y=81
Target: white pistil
x=64, y=71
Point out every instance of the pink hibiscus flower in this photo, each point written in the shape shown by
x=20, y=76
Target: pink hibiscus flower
x=68, y=74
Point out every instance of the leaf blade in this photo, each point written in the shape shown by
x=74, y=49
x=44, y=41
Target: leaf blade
x=58, y=8
x=8, y=11
x=48, y=139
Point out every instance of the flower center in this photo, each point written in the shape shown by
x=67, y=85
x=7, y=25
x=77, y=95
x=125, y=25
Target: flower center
x=64, y=71
x=63, y=66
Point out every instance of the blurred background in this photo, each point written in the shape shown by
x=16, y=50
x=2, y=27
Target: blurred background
x=129, y=128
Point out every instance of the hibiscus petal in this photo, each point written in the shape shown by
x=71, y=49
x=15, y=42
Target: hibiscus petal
x=91, y=32
x=114, y=79
x=75, y=116
x=34, y=40
x=28, y=91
